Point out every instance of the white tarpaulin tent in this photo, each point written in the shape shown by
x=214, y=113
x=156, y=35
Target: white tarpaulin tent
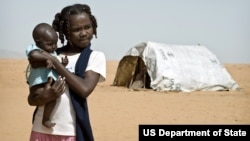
x=173, y=68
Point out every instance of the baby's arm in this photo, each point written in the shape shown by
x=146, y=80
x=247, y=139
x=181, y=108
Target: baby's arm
x=37, y=59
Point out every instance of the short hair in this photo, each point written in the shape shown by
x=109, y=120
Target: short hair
x=40, y=30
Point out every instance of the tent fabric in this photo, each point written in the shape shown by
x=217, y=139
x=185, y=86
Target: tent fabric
x=168, y=67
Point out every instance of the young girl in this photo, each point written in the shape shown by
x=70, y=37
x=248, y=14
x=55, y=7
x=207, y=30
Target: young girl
x=85, y=69
x=45, y=38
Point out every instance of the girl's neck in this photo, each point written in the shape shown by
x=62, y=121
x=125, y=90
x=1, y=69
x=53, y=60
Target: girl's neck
x=69, y=49
x=72, y=49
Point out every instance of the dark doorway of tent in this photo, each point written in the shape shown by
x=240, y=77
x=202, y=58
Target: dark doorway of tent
x=132, y=73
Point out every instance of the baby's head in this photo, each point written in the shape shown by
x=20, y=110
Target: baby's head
x=45, y=37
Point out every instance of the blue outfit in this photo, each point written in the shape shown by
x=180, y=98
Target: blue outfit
x=39, y=75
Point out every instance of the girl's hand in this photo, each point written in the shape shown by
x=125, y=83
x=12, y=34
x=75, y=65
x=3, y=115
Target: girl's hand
x=50, y=64
x=57, y=88
x=47, y=55
x=50, y=59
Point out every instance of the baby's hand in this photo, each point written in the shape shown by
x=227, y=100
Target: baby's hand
x=65, y=61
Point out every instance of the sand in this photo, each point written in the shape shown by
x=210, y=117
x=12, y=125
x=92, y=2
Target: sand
x=116, y=112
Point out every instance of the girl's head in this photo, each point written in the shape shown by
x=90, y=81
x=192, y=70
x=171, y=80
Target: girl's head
x=76, y=24
x=45, y=37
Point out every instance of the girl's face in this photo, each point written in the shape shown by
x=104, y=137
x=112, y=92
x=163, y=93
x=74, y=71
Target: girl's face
x=81, y=30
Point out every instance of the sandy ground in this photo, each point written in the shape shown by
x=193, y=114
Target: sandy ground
x=116, y=112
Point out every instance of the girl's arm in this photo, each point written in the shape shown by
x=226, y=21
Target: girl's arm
x=82, y=86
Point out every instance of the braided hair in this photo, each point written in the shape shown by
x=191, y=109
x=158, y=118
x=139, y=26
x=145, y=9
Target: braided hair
x=61, y=22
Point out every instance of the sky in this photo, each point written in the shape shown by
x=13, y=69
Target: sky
x=223, y=26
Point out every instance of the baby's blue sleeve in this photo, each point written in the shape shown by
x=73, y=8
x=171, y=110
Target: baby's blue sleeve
x=31, y=48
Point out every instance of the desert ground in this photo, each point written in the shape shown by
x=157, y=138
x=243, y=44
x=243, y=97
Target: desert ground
x=116, y=112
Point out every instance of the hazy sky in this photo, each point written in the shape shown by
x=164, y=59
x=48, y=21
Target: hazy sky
x=223, y=26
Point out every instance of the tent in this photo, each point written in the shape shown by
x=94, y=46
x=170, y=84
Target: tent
x=170, y=67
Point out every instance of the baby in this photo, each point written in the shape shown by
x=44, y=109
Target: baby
x=45, y=39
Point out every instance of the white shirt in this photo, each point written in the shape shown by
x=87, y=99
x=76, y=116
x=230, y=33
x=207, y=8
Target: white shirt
x=64, y=114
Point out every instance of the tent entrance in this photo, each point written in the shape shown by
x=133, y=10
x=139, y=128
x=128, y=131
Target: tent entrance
x=132, y=73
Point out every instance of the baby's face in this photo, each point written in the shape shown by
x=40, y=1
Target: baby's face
x=49, y=42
